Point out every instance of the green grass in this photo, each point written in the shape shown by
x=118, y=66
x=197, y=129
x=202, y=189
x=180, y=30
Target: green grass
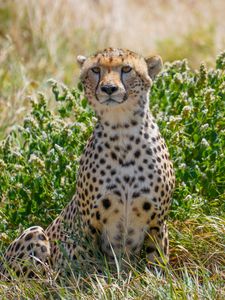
x=39, y=161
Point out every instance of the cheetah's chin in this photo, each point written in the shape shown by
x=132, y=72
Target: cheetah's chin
x=111, y=102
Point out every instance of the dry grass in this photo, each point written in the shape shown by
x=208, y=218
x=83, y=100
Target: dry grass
x=40, y=39
x=192, y=273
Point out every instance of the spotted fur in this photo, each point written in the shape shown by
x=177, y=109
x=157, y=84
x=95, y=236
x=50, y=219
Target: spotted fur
x=125, y=177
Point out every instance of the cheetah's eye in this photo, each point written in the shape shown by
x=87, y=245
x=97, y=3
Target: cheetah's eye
x=126, y=69
x=96, y=70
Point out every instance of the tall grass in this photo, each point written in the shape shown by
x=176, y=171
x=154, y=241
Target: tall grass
x=40, y=39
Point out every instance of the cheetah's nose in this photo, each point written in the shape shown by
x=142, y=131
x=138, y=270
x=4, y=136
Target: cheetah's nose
x=109, y=89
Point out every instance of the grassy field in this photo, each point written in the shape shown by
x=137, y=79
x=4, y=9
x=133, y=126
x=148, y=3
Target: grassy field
x=39, y=158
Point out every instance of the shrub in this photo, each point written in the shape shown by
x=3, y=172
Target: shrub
x=39, y=160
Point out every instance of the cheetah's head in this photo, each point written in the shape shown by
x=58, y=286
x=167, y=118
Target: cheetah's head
x=117, y=80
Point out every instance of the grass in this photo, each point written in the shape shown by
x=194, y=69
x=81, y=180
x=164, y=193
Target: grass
x=39, y=150
x=196, y=272
x=39, y=40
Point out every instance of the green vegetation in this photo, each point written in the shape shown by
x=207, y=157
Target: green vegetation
x=38, y=164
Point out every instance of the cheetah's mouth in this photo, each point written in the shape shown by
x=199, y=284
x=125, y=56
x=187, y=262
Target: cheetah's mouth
x=111, y=102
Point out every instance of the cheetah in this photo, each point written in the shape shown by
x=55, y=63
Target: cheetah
x=125, y=179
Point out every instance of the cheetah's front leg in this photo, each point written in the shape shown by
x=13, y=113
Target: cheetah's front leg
x=157, y=244
x=27, y=255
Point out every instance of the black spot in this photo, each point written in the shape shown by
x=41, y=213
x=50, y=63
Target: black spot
x=28, y=237
x=129, y=242
x=126, y=178
x=31, y=274
x=102, y=161
x=137, y=153
x=146, y=136
x=120, y=161
x=158, y=159
x=42, y=237
x=114, y=138
x=30, y=246
x=17, y=246
x=150, y=250
x=117, y=193
x=113, y=172
x=43, y=248
x=153, y=216
x=141, y=178
x=93, y=230
x=137, y=141
x=118, y=180
x=129, y=163
x=156, y=188
x=146, y=206
x=110, y=186
x=145, y=190
x=149, y=151
x=154, y=228
x=113, y=155
x=136, y=195
x=102, y=172
x=97, y=215
x=129, y=147
x=134, y=122
x=33, y=228
x=21, y=255
x=106, y=203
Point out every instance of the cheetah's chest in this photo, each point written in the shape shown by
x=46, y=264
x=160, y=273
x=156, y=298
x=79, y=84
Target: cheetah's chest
x=124, y=182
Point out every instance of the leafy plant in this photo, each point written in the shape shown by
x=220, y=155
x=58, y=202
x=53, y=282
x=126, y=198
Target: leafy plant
x=190, y=109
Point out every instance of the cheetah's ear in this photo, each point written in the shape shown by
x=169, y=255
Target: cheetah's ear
x=154, y=64
x=81, y=59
